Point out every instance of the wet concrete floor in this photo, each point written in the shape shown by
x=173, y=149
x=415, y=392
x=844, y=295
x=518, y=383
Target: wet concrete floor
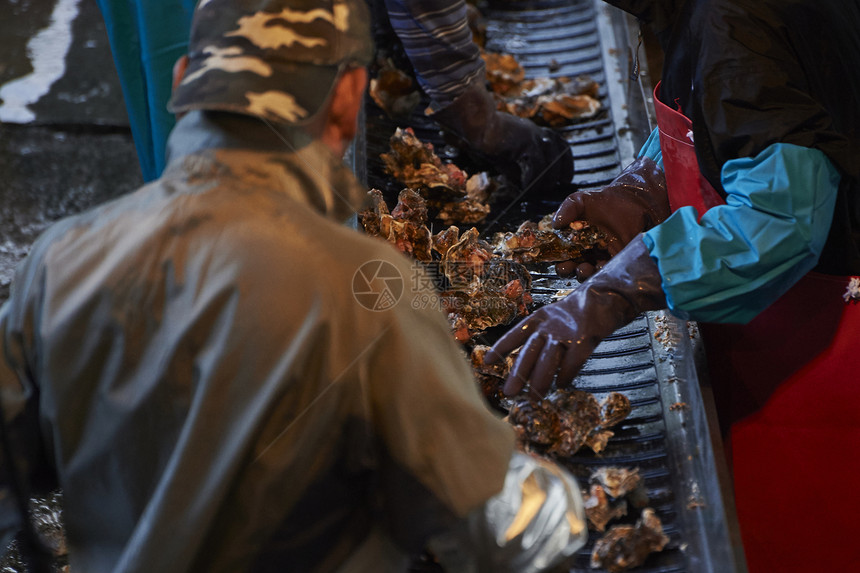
x=65, y=142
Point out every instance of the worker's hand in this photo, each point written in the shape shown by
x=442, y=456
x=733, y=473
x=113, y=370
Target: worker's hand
x=535, y=158
x=632, y=203
x=530, y=156
x=558, y=338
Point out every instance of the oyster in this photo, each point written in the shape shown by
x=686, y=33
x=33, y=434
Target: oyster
x=554, y=101
x=621, y=482
x=410, y=207
x=491, y=379
x=451, y=192
x=444, y=240
x=371, y=216
x=599, y=509
x=498, y=371
x=405, y=227
x=416, y=165
x=463, y=262
x=482, y=291
x=534, y=422
x=598, y=439
x=534, y=242
x=473, y=207
x=477, y=290
x=626, y=546
x=394, y=91
x=477, y=307
x=579, y=422
x=614, y=409
x=504, y=73
x=549, y=101
x=612, y=488
x=579, y=416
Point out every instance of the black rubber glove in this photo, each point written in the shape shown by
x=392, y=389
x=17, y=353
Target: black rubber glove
x=559, y=338
x=528, y=155
x=632, y=203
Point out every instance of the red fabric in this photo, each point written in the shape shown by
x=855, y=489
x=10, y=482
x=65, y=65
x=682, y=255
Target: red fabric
x=747, y=363
x=796, y=497
x=684, y=181
x=788, y=389
x=796, y=464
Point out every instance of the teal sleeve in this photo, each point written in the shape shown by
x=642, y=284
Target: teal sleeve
x=651, y=148
x=741, y=256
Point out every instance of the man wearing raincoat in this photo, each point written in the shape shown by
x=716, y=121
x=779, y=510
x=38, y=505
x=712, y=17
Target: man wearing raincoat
x=758, y=137
x=221, y=376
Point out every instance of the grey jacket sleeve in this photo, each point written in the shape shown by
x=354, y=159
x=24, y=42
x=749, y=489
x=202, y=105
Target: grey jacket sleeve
x=22, y=459
x=506, y=511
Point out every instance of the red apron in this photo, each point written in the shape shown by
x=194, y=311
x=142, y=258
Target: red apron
x=787, y=390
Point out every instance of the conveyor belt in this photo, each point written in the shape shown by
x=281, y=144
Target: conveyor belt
x=651, y=360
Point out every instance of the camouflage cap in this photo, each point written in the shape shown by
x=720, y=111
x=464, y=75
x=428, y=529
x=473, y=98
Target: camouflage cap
x=277, y=59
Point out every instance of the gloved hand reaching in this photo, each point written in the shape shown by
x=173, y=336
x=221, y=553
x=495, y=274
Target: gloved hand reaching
x=529, y=155
x=632, y=203
x=559, y=338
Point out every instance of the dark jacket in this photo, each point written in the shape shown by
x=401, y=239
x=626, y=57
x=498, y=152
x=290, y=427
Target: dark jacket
x=751, y=73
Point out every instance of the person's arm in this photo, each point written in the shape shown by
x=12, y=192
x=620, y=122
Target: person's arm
x=743, y=255
x=727, y=267
x=458, y=479
x=24, y=466
x=438, y=41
